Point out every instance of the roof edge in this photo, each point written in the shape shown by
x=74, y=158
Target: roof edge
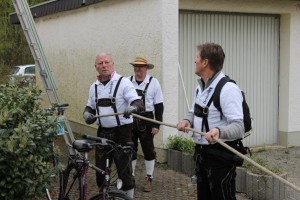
x=52, y=7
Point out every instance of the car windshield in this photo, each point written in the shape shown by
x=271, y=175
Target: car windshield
x=14, y=70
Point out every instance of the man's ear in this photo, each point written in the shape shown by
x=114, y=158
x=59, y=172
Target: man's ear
x=205, y=62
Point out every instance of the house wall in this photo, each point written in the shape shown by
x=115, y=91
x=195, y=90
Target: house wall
x=289, y=95
x=72, y=39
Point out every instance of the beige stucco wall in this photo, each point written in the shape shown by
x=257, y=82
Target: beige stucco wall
x=289, y=93
x=72, y=39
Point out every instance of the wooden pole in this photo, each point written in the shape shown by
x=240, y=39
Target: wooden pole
x=229, y=148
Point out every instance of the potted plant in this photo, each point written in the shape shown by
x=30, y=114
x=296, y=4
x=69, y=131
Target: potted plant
x=240, y=180
x=261, y=186
x=25, y=131
x=180, y=154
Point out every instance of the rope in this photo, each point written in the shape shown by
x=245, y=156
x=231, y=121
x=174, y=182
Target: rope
x=183, y=87
x=218, y=141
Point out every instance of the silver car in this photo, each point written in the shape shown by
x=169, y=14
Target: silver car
x=26, y=71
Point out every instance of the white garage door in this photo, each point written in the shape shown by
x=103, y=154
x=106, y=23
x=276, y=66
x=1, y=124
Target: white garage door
x=251, y=45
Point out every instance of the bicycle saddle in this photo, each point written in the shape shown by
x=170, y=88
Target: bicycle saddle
x=82, y=145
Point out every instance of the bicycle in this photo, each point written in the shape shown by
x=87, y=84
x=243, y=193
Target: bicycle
x=73, y=183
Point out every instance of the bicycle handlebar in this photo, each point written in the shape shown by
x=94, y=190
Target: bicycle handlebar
x=107, y=142
x=90, y=137
x=99, y=139
x=110, y=146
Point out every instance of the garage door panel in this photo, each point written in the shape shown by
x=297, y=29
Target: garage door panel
x=251, y=45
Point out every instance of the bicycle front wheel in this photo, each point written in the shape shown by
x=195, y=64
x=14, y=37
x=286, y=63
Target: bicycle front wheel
x=112, y=195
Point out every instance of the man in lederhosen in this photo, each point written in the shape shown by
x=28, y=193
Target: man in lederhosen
x=112, y=93
x=149, y=90
x=215, y=165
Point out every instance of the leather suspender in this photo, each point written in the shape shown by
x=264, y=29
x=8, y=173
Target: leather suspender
x=217, y=91
x=96, y=98
x=143, y=93
x=202, y=112
x=205, y=121
x=114, y=98
x=113, y=101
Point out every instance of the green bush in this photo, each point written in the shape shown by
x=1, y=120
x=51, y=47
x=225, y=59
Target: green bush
x=179, y=143
x=25, y=132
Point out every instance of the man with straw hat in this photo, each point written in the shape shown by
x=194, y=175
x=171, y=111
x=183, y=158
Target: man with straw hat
x=149, y=90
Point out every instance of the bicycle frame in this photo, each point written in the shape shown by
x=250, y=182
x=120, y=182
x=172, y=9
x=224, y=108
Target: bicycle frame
x=81, y=164
x=77, y=167
x=106, y=191
x=106, y=183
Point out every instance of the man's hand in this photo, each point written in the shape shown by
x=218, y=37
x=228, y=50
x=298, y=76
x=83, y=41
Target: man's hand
x=181, y=126
x=89, y=117
x=154, y=131
x=129, y=110
x=212, y=135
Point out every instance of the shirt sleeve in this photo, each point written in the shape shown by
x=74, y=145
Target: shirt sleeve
x=129, y=91
x=231, y=103
x=158, y=97
x=91, y=99
x=158, y=111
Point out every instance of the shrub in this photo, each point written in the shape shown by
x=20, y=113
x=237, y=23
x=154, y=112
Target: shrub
x=25, y=132
x=179, y=143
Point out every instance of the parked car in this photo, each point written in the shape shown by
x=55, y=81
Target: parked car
x=23, y=70
x=26, y=71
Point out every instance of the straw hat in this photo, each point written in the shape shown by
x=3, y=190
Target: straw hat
x=141, y=60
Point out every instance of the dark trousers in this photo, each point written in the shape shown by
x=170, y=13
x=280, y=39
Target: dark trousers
x=215, y=176
x=120, y=135
x=142, y=131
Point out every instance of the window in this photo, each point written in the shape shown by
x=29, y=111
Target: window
x=14, y=70
x=30, y=70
